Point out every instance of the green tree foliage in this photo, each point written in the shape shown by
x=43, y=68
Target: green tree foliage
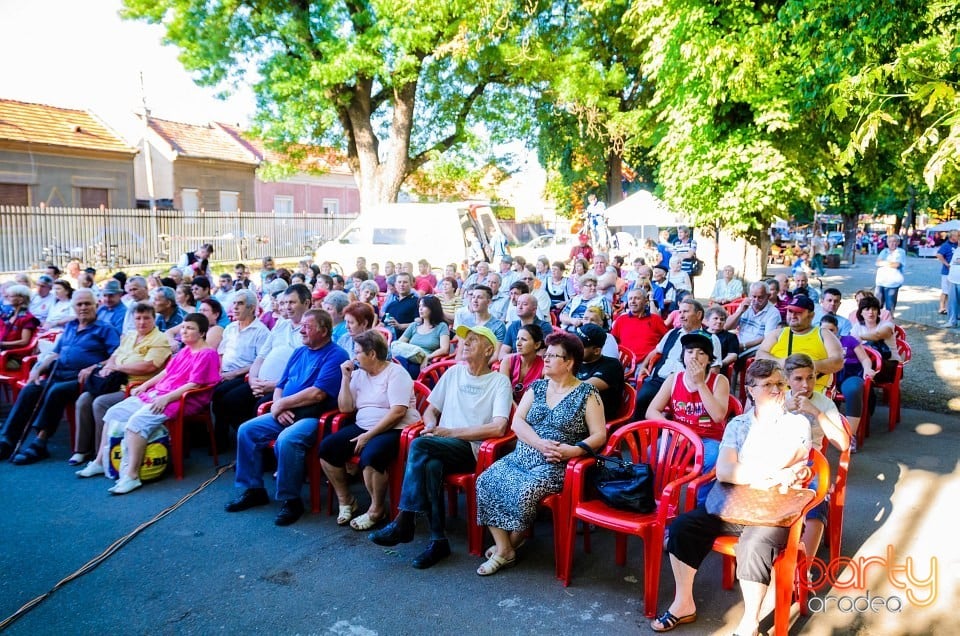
x=593, y=112
x=393, y=84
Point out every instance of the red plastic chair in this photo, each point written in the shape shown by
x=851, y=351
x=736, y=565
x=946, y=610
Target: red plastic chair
x=9, y=378
x=863, y=429
x=676, y=460
x=175, y=426
x=899, y=333
x=430, y=375
x=314, y=470
x=627, y=405
x=733, y=306
x=838, y=499
x=790, y=563
x=386, y=333
x=629, y=361
x=891, y=388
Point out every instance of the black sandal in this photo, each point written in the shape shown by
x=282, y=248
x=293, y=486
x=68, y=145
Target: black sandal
x=31, y=455
x=670, y=622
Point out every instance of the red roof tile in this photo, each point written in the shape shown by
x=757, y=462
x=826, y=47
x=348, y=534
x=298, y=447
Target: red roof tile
x=202, y=142
x=43, y=124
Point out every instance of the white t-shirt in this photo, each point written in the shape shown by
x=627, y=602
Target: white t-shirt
x=374, y=396
x=828, y=407
x=954, y=275
x=284, y=338
x=770, y=445
x=466, y=400
x=891, y=276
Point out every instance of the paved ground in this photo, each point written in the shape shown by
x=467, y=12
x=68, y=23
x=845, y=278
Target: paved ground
x=200, y=570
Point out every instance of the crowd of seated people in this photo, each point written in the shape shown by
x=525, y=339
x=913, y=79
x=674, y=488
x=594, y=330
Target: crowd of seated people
x=280, y=347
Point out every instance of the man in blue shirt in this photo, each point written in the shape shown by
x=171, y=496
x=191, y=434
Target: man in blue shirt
x=112, y=311
x=944, y=255
x=405, y=308
x=308, y=387
x=85, y=343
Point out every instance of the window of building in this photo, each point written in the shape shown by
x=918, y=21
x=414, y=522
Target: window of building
x=283, y=205
x=94, y=197
x=331, y=207
x=229, y=201
x=14, y=194
x=190, y=199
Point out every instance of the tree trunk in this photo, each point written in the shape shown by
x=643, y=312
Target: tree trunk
x=850, y=221
x=614, y=178
x=378, y=180
x=910, y=220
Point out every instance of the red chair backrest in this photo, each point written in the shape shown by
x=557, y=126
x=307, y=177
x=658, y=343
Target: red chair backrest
x=906, y=353
x=670, y=456
x=429, y=376
x=899, y=332
x=625, y=412
x=628, y=359
x=422, y=392
x=386, y=333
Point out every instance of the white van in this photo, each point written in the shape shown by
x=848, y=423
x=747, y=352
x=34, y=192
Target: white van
x=438, y=232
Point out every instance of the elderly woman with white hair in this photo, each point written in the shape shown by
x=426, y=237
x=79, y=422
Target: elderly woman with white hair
x=17, y=329
x=679, y=278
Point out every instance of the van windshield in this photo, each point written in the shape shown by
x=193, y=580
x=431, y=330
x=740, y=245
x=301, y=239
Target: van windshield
x=389, y=236
x=351, y=237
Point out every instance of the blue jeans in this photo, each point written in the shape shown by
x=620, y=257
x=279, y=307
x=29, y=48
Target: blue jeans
x=953, y=305
x=711, y=451
x=293, y=442
x=888, y=298
x=428, y=460
x=61, y=393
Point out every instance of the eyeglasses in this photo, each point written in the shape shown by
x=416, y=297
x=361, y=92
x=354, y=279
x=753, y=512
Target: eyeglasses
x=771, y=387
x=554, y=356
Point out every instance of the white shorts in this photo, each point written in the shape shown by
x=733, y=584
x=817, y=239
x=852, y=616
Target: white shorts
x=134, y=416
x=945, y=284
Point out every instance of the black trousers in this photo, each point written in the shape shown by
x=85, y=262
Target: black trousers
x=692, y=535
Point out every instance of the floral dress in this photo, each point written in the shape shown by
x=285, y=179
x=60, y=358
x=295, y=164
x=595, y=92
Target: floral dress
x=509, y=491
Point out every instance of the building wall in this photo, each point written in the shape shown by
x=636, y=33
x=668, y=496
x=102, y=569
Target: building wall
x=309, y=193
x=162, y=174
x=210, y=178
x=55, y=179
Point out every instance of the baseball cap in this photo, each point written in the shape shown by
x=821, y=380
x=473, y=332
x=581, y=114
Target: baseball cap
x=506, y=259
x=591, y=335
x=801, y=302
x=697, y=341
x=319, y=294
x=463, y=330
x=112, y=287
x=276, y=286
x=45, y=280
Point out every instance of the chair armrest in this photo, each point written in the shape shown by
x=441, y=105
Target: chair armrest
x=339, y=419
x=264, y=408
x=696, y=484
x=575, y=480
x=493, y=449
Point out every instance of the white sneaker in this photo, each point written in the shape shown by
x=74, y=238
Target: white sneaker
x=92, y=469
x=76, y=459
x=125, y=485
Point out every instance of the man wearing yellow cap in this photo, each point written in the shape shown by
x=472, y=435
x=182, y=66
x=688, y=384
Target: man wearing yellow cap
x=470, y=403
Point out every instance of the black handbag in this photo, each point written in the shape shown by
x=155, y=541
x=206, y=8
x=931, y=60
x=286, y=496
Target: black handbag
x=622, y=484
x=97, y=386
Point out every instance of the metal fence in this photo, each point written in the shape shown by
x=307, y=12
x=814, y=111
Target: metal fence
x=111, y=239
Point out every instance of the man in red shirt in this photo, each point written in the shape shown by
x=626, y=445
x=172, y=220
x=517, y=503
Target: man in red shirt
x=638, y=330
x=583, y=250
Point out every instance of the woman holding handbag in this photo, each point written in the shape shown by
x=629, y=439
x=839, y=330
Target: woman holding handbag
x=553, y=416
x=765, y=448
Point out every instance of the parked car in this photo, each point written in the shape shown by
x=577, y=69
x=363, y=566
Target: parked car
x=835, y=238
x=555, y=247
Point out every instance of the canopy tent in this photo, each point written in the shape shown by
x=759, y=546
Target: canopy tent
x=641, y=209
x=945, y=227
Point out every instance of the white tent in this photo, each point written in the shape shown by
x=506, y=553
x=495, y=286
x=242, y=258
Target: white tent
x=642, y=209
x=945, y=227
